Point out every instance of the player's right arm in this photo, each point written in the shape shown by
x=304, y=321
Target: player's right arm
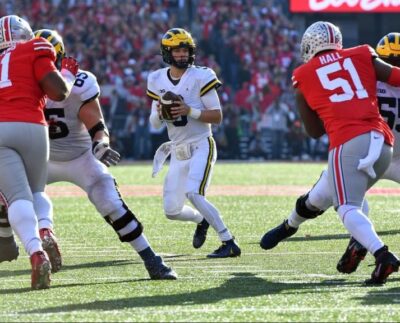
x=311, y=121
x=53, y=84
x=155, y=115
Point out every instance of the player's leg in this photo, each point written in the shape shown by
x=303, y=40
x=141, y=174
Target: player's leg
x=308, y=206
x=174, y=192
x=349, y=186
x=23, y=171
x=94, y=178
x=202, y=161
x=44, y=212
x=174, y=198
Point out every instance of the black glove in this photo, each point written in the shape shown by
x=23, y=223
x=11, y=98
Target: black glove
x=103, y=152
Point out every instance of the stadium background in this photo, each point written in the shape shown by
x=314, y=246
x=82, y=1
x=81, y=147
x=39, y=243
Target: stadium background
x=253, y=46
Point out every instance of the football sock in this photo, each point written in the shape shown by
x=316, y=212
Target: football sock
x=44, y=210
x=360, y=227
x=211, y=214
x=22, y=217
x=140, y=243
x=295, y=220
x=147, y=254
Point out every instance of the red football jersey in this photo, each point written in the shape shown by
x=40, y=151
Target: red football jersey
x=21, y=68
x=340, y=86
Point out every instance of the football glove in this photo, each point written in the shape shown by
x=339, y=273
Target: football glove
x=103, y=152
x=70, y=64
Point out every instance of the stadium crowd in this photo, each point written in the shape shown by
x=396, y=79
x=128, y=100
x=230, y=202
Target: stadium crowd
x=251, y=45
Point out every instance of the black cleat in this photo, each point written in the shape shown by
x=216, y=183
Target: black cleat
x=157, y=269
x=276, y=235
x=9, y=250
x=354, y=254
x=385, y=264
x=200, y=234
x=228, y=249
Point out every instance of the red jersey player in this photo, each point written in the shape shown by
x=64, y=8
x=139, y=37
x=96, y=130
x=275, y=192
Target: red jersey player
x=336, y=93
x=27, y=75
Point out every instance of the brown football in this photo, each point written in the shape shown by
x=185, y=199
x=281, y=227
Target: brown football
x=167, y=102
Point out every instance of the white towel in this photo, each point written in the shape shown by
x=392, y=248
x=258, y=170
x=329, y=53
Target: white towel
x=375, y=147
x=160, y=157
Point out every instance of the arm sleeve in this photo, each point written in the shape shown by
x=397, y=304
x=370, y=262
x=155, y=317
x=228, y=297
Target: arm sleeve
x=211, y=100
x=154, y=119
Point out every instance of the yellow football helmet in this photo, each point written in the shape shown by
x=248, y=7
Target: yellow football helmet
x=177, y=38
x=56, y=40
x=388, y=48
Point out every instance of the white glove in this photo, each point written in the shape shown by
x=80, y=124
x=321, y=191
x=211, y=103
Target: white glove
x=103, y=152
x=375, y=147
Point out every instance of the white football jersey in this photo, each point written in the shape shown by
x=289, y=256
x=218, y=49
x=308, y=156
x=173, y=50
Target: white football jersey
x=69, y=137
x=194, y=83
x=389, y=107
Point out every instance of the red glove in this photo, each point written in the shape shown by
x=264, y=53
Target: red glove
x=70, y=64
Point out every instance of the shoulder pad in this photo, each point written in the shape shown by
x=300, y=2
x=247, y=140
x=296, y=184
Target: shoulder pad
x=41, y=47
x=208, y=79
x=86, y=86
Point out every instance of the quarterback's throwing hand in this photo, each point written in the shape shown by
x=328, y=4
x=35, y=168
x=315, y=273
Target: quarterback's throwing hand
x=70, y=64
x=103, y=152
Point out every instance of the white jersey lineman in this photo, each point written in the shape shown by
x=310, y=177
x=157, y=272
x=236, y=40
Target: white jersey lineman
x=71, y=157
x=69, y=136
x=389, y=106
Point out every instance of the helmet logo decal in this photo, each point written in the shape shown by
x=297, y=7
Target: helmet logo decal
x=7, y=29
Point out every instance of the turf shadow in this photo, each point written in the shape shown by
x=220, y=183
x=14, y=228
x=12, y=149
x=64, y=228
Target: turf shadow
x=241, y=285
x=96, y=264
x=381, y=295
x=331, y=236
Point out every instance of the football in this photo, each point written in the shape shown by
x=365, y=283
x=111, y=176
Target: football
x=167, y=102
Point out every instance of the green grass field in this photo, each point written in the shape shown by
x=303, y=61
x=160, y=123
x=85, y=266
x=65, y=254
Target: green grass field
x=104, y=280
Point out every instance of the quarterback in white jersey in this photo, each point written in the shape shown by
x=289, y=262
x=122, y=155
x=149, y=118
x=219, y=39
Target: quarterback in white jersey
x=192, y=147
x=318, y=199
x=80, y=154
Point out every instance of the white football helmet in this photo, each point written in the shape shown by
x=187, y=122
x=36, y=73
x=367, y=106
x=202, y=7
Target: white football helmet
x=14, y=29
x=321, y=35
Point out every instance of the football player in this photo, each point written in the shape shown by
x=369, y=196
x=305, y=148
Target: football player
x=28, y=75
x=80, y=154
x=192, y=147
x=319, y=198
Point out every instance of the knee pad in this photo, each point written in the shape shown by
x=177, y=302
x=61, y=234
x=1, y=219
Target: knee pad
x=172, y=208
x=124, y=222
x=302, y=209
x=105, y=196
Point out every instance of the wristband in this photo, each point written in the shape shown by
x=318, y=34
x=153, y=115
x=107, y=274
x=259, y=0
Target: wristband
x=194, y=113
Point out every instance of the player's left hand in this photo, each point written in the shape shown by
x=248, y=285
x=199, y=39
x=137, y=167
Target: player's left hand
x=103, y=152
